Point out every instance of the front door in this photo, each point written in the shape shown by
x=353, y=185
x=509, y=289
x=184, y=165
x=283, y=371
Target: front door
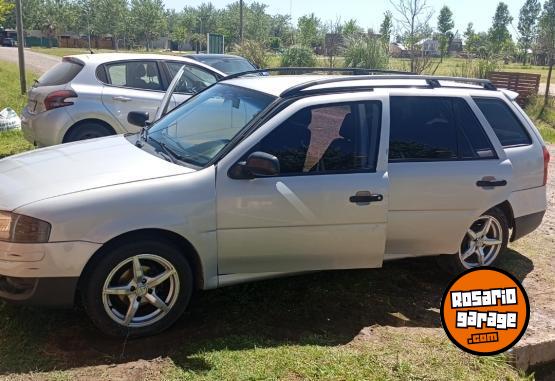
x=133, y=86
x=327, y=209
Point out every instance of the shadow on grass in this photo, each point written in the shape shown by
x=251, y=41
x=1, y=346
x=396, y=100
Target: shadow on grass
x=325, y=308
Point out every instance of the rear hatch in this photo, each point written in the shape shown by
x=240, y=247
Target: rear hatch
x=55, y=79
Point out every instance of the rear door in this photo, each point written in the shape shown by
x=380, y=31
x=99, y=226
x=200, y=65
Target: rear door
x=327, y=209
x=132, y=86
x=445, y=169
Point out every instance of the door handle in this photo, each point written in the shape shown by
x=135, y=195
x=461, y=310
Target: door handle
x=491, y=183
x=121, y=99
x=365, y=197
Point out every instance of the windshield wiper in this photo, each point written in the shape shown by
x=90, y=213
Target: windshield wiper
x=175, y=156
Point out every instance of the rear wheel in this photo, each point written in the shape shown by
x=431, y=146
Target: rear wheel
x=87, y=130
x=138, y=289
x=485, y=241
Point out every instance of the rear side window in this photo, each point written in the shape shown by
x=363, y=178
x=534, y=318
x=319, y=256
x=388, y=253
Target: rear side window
x=422, y=128
x=435, y=129
x=60, y=74
x=473, y=141
x=504, y=122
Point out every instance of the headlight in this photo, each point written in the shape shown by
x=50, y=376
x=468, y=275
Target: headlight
x=23, y=229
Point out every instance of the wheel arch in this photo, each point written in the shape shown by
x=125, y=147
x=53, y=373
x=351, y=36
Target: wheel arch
x=184, y=245
x=87, y=120
x=507, y=210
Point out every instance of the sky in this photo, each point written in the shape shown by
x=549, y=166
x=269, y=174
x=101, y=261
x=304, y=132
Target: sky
x=369, y=13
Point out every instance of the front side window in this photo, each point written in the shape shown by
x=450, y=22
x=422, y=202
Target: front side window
x=200, y=128
x=193, y=79
x=135, y=74
x=504, y=122
x=326, y=139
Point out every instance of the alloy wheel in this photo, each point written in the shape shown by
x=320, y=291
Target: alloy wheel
x=482, y=243
x=140, y=290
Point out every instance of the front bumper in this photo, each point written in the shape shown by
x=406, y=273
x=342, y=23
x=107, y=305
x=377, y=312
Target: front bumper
x=46, y=292
x=43, y=274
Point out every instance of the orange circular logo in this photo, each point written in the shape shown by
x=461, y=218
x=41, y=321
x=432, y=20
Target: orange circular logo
x=485, y=311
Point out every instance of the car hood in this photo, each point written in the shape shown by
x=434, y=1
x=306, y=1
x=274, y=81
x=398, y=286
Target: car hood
x=75, y=167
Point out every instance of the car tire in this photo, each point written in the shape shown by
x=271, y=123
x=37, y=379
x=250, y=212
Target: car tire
x=114, y=290
x=480, y=249
x=87, y=130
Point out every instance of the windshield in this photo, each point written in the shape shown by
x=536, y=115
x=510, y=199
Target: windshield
x=229, y=65
x=200, y=128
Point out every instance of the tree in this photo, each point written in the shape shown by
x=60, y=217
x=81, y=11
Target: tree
x=110, y=17
x=413, y=19
x=366, y=52
x=386, y=29
x=333, y=41
x=5, y=9
x=547, y=41
x=147, y=19
x=310, y=31
x=351, y=29
x=527, y=22
x=498, y=34
x=445, y=24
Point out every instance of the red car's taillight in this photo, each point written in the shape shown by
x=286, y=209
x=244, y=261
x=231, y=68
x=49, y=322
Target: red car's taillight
x=546, y=158
x=58, y=98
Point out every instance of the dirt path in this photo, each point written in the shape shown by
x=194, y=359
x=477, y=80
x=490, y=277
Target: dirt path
x=36, y=62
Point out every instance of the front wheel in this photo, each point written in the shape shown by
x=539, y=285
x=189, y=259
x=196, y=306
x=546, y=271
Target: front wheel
x=484, y=242
x=138, y=289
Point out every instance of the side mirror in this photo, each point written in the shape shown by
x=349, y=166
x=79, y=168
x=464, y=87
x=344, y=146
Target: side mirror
x=138, y=118
x=258, y=164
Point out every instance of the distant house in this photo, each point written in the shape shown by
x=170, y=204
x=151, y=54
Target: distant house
x=429, y=46
x=398, y=50
x=456, y=46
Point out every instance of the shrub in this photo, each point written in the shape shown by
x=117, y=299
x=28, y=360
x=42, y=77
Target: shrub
x=298, y=56
x=366, y=52
x=475, y=68
x=254, y=51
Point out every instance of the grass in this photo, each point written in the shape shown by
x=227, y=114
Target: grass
x=545, y=121
x=62, y=52
x=12, y=142
x=304, y=327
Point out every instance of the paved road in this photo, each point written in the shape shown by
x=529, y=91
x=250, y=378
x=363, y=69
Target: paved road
x=36, y=62
x=551, y=88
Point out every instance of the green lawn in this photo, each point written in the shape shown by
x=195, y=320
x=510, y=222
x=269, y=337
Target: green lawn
x=12, y=142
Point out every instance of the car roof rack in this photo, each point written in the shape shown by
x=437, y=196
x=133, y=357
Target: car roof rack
x=431, y=82
x=361, y=74
x=307, y=70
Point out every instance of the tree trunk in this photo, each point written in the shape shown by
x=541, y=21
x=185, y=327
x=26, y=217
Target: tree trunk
x=548, y=84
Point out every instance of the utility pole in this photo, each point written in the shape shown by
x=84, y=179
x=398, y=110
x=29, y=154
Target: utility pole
x=241, y=21
x=20, y=45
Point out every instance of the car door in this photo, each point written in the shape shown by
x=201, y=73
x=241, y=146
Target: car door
x=132, y=86
x=441, y=160
x=192, y=80
x=327, y=209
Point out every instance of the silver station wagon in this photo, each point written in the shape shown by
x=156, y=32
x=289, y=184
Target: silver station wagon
x=258, y=177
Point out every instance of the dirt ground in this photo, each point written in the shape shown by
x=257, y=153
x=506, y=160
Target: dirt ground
x=342, y=308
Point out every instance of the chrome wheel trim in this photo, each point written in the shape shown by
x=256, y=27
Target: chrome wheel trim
x=125, y=300
x=482, y=243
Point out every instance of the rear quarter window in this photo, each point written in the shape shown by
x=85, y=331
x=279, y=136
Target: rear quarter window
x=60, y=74
x=505, y=124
